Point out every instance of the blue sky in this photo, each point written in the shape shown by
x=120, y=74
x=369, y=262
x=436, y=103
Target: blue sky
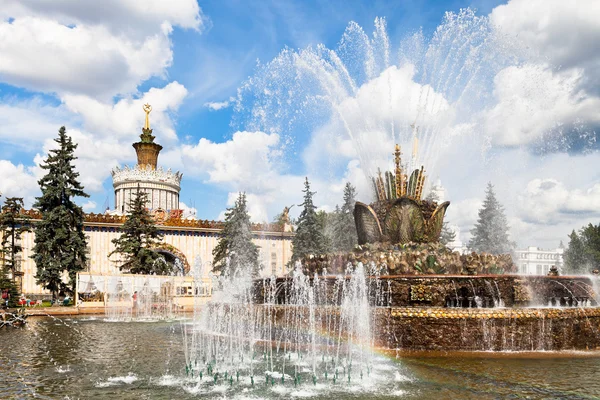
x=91, y=67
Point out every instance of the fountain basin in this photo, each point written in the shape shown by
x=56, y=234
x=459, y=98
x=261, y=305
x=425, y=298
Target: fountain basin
x=457, y=313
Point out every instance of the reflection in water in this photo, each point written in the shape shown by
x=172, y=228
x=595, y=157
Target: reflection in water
x=86, y=357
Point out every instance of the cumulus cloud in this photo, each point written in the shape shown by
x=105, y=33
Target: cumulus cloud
x=18, y=181
x=217, y=105
x=98, y=49
x=125, y=117
x=120, y=16
x=532, y=100
x=550, y=201
x=560, y=31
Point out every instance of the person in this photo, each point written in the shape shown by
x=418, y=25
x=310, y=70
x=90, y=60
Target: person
x=134, y=299
x=5, y=297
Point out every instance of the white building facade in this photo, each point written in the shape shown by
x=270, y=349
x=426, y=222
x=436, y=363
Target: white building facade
x=537, y=261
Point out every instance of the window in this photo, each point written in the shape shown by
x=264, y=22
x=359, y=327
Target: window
x=539, y=270
x=274, y=268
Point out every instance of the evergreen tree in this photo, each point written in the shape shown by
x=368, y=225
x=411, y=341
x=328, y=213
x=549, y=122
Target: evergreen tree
x=235, y=252
x=309, y=238
x=447, y=235
x=344, y=235
x=326, y=223
x=60, y=244
x=12, y=225
x=490, y=234
x=138, y=238
x=575, y=258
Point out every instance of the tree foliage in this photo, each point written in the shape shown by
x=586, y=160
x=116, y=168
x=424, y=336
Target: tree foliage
x=309, y=238
x=236, y=253
x=490, y=234
x=12, y=225
x=60, y=244
x=344, y=229
x=582, y=254
x=447, y=235
x=138, y=239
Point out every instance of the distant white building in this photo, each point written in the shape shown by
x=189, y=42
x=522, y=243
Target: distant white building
x=536, y=261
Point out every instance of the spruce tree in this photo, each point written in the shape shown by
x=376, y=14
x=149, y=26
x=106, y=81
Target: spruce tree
x=60, y=244
x=345, y=236
x=138, y=238
x=490, y=234
x=236, y=253
x=447, y=235
x=309, y=238
x=575, y=257
x=12, y=225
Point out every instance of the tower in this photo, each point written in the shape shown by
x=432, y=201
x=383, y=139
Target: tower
x=161, y=186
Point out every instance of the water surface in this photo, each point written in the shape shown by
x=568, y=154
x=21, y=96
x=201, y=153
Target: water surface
x=88, y=357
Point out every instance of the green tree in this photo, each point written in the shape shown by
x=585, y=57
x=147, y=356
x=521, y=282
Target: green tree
x=575, y=258
x=60, y=244
x=490, y=234
x=590, y=235
x=236, y=253
x=344, y=228
x=326, y=223
x=138, y=238
x=447, y=235
x=12, y=225
x=309, y=238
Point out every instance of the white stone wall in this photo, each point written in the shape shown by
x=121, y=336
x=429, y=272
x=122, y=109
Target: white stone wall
x=275, y=249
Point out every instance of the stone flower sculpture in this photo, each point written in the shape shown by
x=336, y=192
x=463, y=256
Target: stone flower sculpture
x=399, y=215
x=401, y=220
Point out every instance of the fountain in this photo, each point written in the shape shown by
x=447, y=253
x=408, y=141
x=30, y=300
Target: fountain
x=399, y=289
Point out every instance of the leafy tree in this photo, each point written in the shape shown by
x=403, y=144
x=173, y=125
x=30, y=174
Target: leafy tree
x=138, y=238
x=309, y=238
x=60, y=244
x=344, y=229
x=490, y=233
x=590, y=235
x=575, y=258
x=235, y=252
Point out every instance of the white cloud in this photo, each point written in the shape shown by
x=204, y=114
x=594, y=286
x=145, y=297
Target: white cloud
x=532, y=100
x=79, y=59
x=217, y=105
x=125, y=118
x=99, y=49
x=564, y=32
x=27, y=123
x=550, y=201
x=89, y=206
x=121, y=16
x=18, y=181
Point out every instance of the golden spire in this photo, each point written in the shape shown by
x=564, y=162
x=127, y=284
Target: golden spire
x=147, y=108
x=398, y=171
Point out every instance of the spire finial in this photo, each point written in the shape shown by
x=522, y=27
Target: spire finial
x=147, y=108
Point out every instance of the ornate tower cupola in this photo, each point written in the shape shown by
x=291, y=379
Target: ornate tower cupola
x=147, y=151
x=162, y=187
